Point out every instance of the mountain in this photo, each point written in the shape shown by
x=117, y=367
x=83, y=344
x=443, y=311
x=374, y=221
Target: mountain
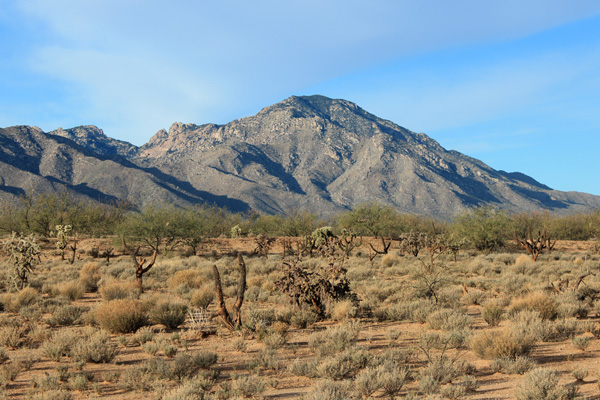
x=310, y=152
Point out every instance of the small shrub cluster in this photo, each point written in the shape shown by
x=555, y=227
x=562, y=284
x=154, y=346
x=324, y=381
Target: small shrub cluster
x=121, y=316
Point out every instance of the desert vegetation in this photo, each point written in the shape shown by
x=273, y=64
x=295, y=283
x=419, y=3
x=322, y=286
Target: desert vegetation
x=104, y=301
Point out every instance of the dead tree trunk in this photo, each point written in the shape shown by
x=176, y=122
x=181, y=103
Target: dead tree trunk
x=233, y=320
x=140, y=270
x=74, y=248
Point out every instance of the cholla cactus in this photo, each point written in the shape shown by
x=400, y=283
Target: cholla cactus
x=236, y=232
x=23, y=253
x=62, y=234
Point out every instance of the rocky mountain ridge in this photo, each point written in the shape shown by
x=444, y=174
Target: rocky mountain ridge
x=308, y=152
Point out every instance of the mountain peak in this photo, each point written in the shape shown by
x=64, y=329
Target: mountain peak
x=305, y=152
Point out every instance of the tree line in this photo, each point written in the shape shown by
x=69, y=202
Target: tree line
x=483, y=228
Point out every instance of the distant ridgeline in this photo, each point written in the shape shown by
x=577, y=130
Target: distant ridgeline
x=304, y=153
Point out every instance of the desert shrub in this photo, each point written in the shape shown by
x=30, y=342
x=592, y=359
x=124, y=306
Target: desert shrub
x=334, y=340
x=536, y=301
x=492, y=313
x=343, y=310
x=580, y=374
x=306, y=368
x=303, y=318
x=151, y=348
x=391, y=378
x=274, y=340
x=475, y=297
x=60, y=344
x=529, y=323
x=581, y=342
x=367, y=382
x=23, y=298
x=143, y=335
x=259, y=319
x=248, y=385
x=168, y=313
x=388, y=260
x=202, y=297
x=442, y=369
x=12, y=336
x=138, y=377
x=45, y=382
x=189, y=278
x=330, y=390
x=95, y=348
x=502, y=343
x=121, y=316
x=9, y=372
x=335, y=367
x=79, y=382
x=419, y=310
x=89, y=276
x=453, y=391
x=542, y=384
x=561, y=329
x=509, y=365
x=66, y=315
x=449, y=320
x=3, y=355
x=266, y=359
x=187, y=365
x=193, y=389
x=71, y=290
x=120, y=290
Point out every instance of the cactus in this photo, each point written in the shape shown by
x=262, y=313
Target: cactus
x=24, y=254
x=62, y=236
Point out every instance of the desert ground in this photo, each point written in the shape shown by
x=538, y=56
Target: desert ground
x=430, y=327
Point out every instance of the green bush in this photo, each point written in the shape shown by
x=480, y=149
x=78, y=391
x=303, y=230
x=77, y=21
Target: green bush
x=485, y=228
x=168, y=313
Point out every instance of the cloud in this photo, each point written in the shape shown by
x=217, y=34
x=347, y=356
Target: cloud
x=137, y=66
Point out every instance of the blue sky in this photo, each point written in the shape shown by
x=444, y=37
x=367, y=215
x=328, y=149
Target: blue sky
x=515, y=84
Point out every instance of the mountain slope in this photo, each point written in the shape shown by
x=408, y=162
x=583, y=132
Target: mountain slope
x=311, y=153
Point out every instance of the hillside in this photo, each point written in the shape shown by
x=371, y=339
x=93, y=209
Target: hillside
x=310, y=153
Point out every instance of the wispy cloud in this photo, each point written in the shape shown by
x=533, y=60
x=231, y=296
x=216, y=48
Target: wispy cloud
x=139, y=65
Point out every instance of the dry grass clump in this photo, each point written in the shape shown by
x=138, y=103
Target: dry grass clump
x=89, y=277
x=24, y=298
x=121, y=316
x=536, y=301
x=115, y=290
x=71, y=290
x=506, y=342
x=189, y=278
x=389, y=260
x=343, y=310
